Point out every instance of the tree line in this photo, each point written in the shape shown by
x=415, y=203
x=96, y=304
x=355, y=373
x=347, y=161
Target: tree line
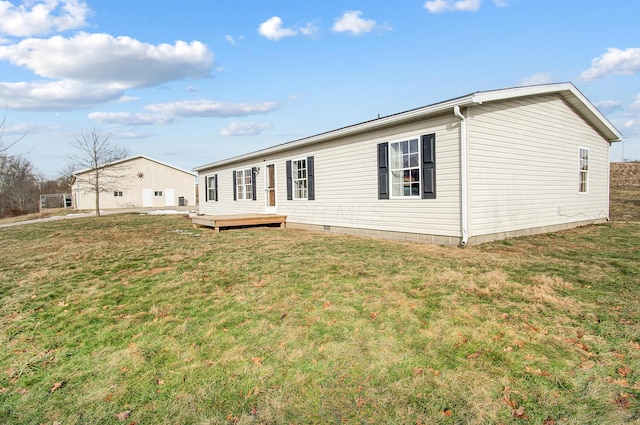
x=21, y=184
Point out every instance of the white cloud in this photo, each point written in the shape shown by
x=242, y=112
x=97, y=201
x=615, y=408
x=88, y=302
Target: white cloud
x=501, y=3
x=127, y=118
x=90, y=69
x=125, y=99
x=238, y=128
x=117, y=61
x=541, y=78
x=208, y=108
x=42, y=17
x=230, y=39
x=439, y=6
x=636, y=105
x=607, y=106
x=170, y=113
x=53, y=96
x=632, y=127
x=351, y=21
x=272, y=29
x=615, y=61
x=310, y=30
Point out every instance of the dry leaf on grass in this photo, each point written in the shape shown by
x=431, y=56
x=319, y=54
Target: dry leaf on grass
x=56, y=386
x=123, y=415
x=624, y=371
x=519, y=413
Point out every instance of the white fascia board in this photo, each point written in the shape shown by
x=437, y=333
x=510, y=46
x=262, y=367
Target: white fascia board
x=375, y=124
x=567, y=90
x=131, y=158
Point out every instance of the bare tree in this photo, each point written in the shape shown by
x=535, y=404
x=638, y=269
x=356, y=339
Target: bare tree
x=3, y=148
x=96, y=155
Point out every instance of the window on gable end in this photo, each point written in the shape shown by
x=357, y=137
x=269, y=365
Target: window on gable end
x=583, y=173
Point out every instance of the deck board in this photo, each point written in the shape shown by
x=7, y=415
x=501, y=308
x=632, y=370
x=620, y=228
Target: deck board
x=237, y=220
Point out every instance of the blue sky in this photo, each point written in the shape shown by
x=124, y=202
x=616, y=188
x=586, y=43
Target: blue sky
x=193, y=82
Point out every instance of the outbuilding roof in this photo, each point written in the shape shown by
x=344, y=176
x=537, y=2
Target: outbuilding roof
x=568, y=91
x=131, y=158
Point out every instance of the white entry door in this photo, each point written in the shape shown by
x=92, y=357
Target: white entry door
x=169, y=197
x=147, y=197
x=270, y=189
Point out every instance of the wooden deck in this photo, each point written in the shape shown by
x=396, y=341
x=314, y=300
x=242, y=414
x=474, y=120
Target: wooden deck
x=237, y=220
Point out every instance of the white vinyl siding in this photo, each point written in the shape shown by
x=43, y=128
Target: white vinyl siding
x=346, y=184
x=522, y=166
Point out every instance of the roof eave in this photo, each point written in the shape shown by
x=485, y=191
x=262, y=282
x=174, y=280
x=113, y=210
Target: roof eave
x=375, y=124
x=567, y=90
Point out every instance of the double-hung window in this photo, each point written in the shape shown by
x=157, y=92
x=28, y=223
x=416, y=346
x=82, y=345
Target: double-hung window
x=583, y=173
x=211, y=188
x=301, y=179
x=117, y=193
x=407, y=168
x=244, y=184
x=299, y=175
x=404, y=164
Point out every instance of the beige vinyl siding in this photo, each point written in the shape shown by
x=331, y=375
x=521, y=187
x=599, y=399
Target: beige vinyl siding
x=155, y=177
x=346, y=184
x=523, y=166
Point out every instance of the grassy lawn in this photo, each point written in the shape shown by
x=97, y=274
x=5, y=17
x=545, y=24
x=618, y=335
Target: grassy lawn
x=141, y=319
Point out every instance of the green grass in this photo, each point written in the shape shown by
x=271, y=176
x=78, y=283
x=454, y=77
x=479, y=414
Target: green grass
x=263, y=326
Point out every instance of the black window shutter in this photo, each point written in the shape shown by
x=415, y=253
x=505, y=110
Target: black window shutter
x=206, y=188
x=215, y=186
x=383, y=171
x=289, y=182
x=235, y=194
x=254, y=185
x=311, y=180
x=429, y=166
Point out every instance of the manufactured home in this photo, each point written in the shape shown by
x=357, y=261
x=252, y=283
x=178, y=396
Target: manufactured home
x=135, y=182
x=481, y=167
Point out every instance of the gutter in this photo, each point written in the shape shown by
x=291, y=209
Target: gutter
x=464, y=186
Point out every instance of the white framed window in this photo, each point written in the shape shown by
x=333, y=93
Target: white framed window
x=117, y=193
x=157, y=193
x=300, y=179
x=583, y=171
x=404, y=167
x=244, y=184
x=211, y=183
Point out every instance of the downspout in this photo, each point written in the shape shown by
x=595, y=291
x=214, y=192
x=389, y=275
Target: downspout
x=464, y=189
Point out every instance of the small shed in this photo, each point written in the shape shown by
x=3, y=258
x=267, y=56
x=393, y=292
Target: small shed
x=135, y=182
x=480, y=167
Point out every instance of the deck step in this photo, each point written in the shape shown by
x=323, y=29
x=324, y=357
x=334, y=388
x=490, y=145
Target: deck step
x=237, y=220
